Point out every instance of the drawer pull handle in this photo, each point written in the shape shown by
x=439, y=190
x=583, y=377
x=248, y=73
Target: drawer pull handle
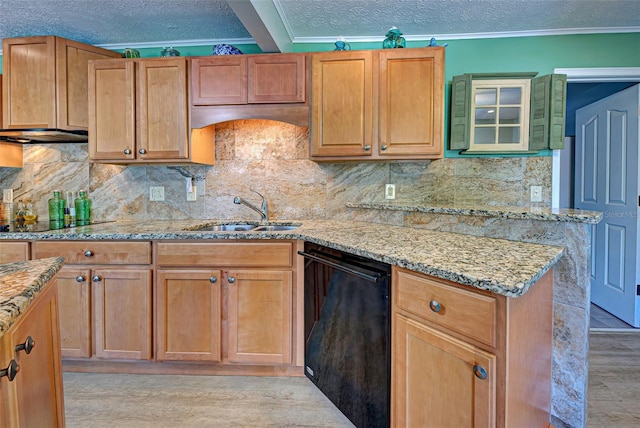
x=89, y=253
x=127, y=151
x=80, y=278
x=367, y=148
x=96, y=278
x=213, y=279
x=383, y=147
x=232, y=280
x=480, y=372
x=11, y=371
x=27, y=346
x=142, y=151
x=435, y=306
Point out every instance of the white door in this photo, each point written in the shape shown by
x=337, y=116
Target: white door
x=606, y=180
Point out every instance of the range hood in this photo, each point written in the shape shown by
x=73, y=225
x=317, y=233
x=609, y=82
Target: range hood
x=43, y=135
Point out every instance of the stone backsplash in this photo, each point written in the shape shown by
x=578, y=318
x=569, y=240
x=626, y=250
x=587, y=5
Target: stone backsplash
x=271, y=158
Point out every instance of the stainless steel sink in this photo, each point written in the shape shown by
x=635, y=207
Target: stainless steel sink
x=231, y=227
x=274, y=227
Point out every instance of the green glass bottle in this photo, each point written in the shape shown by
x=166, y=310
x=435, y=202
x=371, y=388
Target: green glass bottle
x=56, y=211
x=83, y=209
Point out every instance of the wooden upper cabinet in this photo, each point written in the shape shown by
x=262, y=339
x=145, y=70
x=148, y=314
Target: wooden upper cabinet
x=342, y=104
x=138, y=113
x=45, y=82
x=383, y=104
x=248, y=79
x=216, y=81
x=112, y=114
x=411, y=109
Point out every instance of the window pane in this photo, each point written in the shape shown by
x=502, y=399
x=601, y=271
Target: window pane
x=510, y=115
x=486, y=96
x=485, y=136
x=509, y=135
x=510, y=95
x=485, y=116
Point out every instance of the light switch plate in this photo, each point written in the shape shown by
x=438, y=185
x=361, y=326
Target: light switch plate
x=390, y=191
x=536, y=193
x=7, y=196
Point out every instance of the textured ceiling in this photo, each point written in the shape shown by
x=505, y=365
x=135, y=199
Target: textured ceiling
x=132, y=23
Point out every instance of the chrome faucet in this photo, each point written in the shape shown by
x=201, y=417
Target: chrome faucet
x=263, y=211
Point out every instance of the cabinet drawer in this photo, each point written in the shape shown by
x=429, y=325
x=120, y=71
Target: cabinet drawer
x=243, y=254
x=13, y=252
x=465, y=312
x=92, y=252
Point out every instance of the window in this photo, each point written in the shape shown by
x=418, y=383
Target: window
x=500, y=119
x=507, y=112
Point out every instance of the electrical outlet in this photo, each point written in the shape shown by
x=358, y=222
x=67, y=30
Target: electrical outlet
x=193, y=194
x=156, y=193
x=536, y=193
x=7, y=196
x=390, y=191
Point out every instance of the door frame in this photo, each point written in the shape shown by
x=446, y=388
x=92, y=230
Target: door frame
x=574, y=75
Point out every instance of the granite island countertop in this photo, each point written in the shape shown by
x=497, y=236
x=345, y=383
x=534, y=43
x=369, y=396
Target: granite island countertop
x=498, y=265
x=20, y=283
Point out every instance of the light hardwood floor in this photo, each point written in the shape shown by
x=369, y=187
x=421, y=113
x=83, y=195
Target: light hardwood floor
x=145, y=401
x=614, y=380
x=141, y=401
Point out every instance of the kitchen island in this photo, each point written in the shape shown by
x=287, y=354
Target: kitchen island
x=31, y=384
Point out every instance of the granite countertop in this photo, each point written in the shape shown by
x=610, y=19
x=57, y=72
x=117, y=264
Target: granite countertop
x=504, y=267
x=20, y=283
x=511, y=212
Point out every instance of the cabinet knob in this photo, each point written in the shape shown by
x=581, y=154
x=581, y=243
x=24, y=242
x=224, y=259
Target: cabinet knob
x=213, y=279
x=127, y=151
x=142, y=151
x=232, y=279
x=383, y=147
x=480, y=372
x=96, y=278
x=80, y=278
x=435, y=306
x=27, y=346
x=88, y=253
x=11, y=371
x=367, y=148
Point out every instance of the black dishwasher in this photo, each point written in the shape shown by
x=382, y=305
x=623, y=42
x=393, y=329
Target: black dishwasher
x=347, y=331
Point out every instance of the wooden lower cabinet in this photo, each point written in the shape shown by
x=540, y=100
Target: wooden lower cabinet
x=259, y=308
x=232, y=303
x=463, y=357
x=74, y=291
x=188, y=323
x=34, y=398
x=425, y=358
x=105, y=298
x=122, y=314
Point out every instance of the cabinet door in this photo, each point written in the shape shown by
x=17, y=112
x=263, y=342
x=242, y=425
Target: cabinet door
x=219, y=80
x=411, y=109
x=71, y=81
x=276, y=78
x=122, y=313
x=37, y=389
x=162, y=109
x=434, y=380
x=112, y=109
x=188, y=315
x=75, y=322
x=259, y=310
x=29, y=84
x=341, y=104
